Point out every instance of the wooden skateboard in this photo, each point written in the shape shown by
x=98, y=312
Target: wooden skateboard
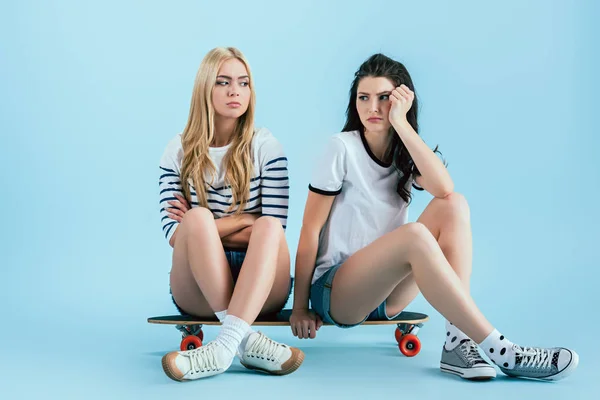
x=408, y=324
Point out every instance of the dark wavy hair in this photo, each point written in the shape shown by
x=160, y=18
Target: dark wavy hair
x=379, y=65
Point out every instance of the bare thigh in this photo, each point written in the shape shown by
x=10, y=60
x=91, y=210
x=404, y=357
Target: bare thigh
x=372, y=274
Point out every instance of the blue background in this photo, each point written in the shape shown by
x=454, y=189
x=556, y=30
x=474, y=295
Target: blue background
x=93, y=91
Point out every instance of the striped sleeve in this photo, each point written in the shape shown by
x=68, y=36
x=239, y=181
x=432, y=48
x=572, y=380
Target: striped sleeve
x=169, y=184
x=275, y=189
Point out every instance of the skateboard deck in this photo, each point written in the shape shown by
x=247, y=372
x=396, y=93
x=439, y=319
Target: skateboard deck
x=408, y=324
x=282, y=319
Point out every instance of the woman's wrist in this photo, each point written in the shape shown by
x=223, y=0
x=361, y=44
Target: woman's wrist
x=401, y=126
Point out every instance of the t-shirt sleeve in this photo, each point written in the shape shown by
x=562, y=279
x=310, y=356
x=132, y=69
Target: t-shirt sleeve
x=275, y=185
x=413, y=180
x=169, y=184
x=330, y=169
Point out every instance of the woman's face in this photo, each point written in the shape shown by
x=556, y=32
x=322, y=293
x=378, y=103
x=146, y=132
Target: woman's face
x=373, y=104
x=231, y=94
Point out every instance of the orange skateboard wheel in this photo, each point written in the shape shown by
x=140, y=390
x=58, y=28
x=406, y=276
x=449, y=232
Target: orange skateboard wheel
x=398, y=335
x=190, y=342
x=410, y=345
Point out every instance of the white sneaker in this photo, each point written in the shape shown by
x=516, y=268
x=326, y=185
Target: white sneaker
x=205, y=361
x=266, y=355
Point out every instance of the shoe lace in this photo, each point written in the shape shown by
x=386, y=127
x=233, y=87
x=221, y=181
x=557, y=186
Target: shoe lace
x=264, y=348
x=471, y=352
x=534, y=357
x=203, y=359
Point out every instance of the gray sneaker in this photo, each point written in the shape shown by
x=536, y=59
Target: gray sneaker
x=466, y=362
x=544, y=364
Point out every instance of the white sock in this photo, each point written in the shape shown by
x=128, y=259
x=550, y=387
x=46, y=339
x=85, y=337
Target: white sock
x=232, y=333
x=499, y=350
x=453, y=336
x=221, y=316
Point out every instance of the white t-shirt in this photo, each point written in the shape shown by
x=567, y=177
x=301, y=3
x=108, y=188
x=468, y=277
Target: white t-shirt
x=269, y=185
x=366, y=205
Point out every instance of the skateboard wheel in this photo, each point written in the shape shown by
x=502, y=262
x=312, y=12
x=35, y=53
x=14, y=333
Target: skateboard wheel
x=201, y=335
x=190, y=343
x=398, y=335
x=409, y=345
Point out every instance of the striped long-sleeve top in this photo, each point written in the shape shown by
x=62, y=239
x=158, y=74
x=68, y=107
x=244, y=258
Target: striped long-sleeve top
x=269, y=185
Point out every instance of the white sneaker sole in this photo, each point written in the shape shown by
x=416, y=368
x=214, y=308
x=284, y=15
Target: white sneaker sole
x=170, y=367
x=482, y=373
x=288, y=367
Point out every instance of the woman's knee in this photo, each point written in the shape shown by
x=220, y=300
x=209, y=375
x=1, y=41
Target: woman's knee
x=457, y=204
x=418, y=237
x=266, y=224
x=414, y=231
x=196, y=220
x=198, y=215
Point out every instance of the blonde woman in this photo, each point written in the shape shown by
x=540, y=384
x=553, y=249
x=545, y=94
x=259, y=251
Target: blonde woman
x=223, y=203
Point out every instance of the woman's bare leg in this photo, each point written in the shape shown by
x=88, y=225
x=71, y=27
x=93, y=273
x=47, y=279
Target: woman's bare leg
x=201, y=280
x=410, y=249
x=264, y=280
x=448, y=221
x=200, y=270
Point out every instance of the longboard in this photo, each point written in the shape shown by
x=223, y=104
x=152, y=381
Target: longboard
x=408, y=324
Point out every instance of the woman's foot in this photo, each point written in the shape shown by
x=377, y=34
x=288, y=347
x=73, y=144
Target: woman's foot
x=208, y=360
x=465, y=361
x=266, y=355
x=549, y=364
x=544, y=364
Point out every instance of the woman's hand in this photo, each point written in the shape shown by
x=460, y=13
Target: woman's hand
x=305, y=324
x=180, y=207
x=238, y=240
x=401, y=98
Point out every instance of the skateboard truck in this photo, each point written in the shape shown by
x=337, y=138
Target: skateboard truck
x=192, y=336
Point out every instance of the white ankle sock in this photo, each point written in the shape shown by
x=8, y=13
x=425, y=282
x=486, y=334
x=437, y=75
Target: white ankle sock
x=232, y=333
x=499, y=349
x=221, y=316
x=453, y=336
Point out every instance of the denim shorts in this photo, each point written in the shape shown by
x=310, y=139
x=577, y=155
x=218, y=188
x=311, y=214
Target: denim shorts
x=320, y=300
x=235, y=258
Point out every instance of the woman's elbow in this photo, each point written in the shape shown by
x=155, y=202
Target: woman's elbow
x=444, y=190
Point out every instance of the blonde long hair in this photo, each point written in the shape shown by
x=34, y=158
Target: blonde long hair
x=200, y=130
